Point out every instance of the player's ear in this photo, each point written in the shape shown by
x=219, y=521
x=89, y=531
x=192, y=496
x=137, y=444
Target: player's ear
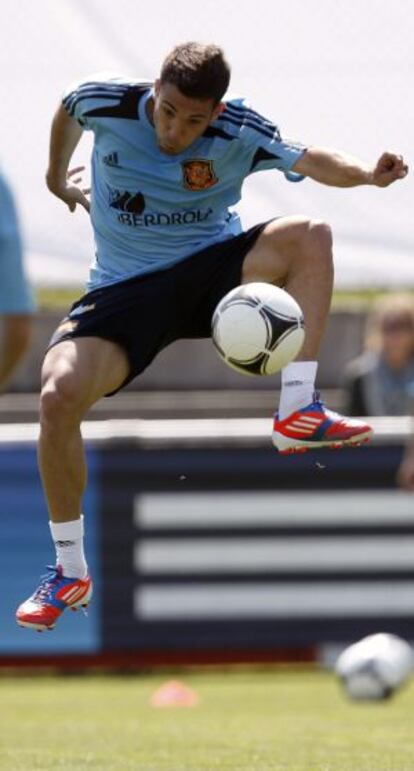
x=157, y=86
x=219, y=108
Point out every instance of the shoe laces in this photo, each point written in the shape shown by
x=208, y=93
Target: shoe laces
x=330, y=413
x=317, y=399
x=46, y=582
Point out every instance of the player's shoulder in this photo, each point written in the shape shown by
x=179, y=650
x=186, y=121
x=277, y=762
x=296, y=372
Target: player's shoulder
x=104, y=95
x=241, y=119
x=105, y=81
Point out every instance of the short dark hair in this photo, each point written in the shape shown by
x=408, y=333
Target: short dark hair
x=198, y=71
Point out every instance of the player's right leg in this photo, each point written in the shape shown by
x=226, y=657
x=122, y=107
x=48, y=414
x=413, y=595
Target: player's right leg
x=296, y=253
x=76, y=373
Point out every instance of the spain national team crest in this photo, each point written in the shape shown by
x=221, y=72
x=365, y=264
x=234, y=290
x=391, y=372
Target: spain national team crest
x=198, y=174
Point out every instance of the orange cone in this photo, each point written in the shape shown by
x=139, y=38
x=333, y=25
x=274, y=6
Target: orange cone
x=174, y=694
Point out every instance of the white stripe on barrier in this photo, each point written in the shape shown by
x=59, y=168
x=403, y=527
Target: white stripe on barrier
x=259, y=508
x=294, y=555
x=313, y=600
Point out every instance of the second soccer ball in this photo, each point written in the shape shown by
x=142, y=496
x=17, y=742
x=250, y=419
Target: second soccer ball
x=258, y=328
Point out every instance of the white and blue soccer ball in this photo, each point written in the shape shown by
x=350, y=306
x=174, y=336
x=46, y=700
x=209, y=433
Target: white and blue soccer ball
x=375, y=667
x=258, y=328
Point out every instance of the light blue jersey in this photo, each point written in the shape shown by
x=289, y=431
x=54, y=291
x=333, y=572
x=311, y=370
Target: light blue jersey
x=15, y=294
x=149, y=209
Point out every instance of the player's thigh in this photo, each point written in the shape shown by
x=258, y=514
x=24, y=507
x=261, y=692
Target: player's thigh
x=278, y=245
x=83, y=369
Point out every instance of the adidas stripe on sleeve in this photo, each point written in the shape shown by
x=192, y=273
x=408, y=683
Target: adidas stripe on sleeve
x=101, y=96
x=268, y=149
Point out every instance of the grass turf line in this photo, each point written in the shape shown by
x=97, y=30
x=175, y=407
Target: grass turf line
x=246, y=721
x=61, y=298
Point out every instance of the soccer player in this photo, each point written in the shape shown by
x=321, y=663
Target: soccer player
x=169, y=159
x=16, y=301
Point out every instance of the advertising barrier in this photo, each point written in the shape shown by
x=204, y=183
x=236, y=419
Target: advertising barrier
x=206, y=544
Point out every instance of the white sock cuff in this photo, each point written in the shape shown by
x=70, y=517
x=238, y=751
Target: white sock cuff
x=301, y=371
x=67, y=531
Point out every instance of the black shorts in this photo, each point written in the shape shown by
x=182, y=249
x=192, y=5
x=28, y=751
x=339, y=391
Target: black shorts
x=146, y=313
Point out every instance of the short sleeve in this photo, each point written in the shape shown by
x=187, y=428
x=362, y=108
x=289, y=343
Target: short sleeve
x=98, y=94
x=262, y=137
x=277, y=153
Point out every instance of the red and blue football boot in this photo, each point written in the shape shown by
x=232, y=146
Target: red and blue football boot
x=315, y=426
x=54, y=594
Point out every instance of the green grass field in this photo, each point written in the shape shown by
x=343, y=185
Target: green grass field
x=60, y=298
x=290, y=720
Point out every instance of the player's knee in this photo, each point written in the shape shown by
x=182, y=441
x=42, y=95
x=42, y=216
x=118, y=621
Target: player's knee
x=318, y=240
x=61, y=398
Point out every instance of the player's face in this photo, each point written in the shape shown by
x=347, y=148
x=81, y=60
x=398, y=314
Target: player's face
x=178, y=119
x=398, y=339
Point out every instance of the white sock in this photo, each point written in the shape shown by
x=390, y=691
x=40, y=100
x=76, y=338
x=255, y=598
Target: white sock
x=68, y=539
x=298, y=386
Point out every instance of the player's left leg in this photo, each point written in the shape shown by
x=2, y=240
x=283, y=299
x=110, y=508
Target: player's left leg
x=296, y=253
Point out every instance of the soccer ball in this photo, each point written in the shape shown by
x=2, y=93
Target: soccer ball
x=373, y=668
x=258, y=328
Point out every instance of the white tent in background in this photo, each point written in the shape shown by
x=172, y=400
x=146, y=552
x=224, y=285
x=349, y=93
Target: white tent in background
x=336, y=74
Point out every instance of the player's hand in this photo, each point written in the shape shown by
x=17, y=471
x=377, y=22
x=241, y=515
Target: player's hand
x=71, y=191
x=388, y=169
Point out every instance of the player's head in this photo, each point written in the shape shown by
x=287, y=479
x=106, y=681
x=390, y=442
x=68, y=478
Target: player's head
x=391, y=329
x=188, y=93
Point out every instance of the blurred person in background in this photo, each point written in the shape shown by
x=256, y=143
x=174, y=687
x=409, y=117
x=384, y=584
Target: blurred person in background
x=16, y=300
x=381, y=380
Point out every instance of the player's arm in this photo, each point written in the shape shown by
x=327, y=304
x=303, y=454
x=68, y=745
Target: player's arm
x=333, y=167
x=64, y=137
